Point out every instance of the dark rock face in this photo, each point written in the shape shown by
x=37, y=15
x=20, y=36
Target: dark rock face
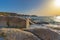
x=16, y=34
x=45, y=34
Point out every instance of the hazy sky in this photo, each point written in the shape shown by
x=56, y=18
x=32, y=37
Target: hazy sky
x=38, y=7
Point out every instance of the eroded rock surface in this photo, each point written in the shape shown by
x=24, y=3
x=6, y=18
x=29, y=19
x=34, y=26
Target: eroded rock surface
x=16, y=34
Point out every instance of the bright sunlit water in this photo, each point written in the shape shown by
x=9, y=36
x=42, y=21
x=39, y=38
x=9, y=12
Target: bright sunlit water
x=57, y=18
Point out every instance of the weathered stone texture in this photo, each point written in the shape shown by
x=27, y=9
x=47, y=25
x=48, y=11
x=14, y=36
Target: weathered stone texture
x=16, y=34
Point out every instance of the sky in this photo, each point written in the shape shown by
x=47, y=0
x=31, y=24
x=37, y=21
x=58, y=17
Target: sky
x=31, y=7
x=18, y=5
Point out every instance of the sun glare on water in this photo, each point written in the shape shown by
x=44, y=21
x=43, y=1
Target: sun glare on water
x=57, y=19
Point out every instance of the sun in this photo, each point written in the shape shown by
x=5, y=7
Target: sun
x=57, y=3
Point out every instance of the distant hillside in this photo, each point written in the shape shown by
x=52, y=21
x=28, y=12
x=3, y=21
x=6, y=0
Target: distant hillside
x=8, y=14
x=14, y=14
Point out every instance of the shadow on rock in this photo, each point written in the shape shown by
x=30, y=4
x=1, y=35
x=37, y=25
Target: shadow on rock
x=44, y=34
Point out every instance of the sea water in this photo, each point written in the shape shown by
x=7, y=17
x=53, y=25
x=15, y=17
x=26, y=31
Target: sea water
x=1, y=38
